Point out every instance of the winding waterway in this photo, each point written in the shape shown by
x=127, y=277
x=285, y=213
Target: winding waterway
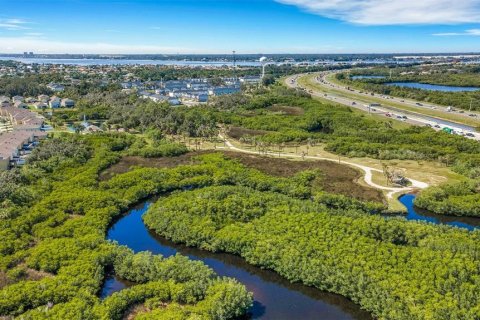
x=275, y=297
x=415, y=213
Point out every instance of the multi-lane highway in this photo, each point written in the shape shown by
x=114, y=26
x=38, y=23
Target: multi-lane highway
x=365, y=102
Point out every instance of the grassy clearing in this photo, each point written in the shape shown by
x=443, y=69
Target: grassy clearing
x=430, y=172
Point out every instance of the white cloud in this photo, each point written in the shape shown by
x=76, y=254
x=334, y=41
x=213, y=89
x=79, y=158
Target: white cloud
x=32, y=43
x=13, y=24
x=470, y=32
x=394, y=12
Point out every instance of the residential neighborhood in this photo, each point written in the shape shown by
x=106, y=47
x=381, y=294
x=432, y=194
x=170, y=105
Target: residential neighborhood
x=20, y=131
x=187, y=91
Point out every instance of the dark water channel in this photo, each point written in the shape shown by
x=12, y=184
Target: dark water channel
x=275, y=297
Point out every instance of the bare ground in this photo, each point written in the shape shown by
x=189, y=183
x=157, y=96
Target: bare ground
x=286, y=110
x=126, y=163
x=237, y=132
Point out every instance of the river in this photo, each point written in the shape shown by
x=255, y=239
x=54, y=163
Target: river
x=274, y=296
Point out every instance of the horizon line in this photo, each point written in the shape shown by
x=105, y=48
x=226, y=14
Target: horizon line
x=239, y=54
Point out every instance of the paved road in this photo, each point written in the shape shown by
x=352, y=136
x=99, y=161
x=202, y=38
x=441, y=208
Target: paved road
x=467, y=115
x=368, y=177
x=362, y=103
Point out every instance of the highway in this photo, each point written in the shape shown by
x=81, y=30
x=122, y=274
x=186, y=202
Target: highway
x=362, y=101
x=463, y=116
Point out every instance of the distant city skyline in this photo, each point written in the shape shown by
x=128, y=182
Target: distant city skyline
x=247, y=26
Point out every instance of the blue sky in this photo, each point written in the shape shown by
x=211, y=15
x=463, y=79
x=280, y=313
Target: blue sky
x=247, y=26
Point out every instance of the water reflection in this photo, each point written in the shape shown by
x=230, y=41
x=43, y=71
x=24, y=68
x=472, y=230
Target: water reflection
x=275, y=297
x=113, y=284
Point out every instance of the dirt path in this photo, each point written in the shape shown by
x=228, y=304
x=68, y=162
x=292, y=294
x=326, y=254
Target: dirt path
x=368, y=177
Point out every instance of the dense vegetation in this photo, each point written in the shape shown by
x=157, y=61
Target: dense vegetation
x=54, y=256
x=460, y=199
x=56, y=211
x=446, y=75
x=28, y=86
x=393, y=268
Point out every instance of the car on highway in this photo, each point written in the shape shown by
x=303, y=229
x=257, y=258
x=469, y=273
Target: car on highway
x=354, y=103
x=469, y=134
x=419, y=104
x=428, y=125
x=404, y=117
x=437, y=126
x=388, y=115
x=472, y=115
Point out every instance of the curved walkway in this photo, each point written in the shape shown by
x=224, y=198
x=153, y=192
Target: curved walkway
x=368, y=177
